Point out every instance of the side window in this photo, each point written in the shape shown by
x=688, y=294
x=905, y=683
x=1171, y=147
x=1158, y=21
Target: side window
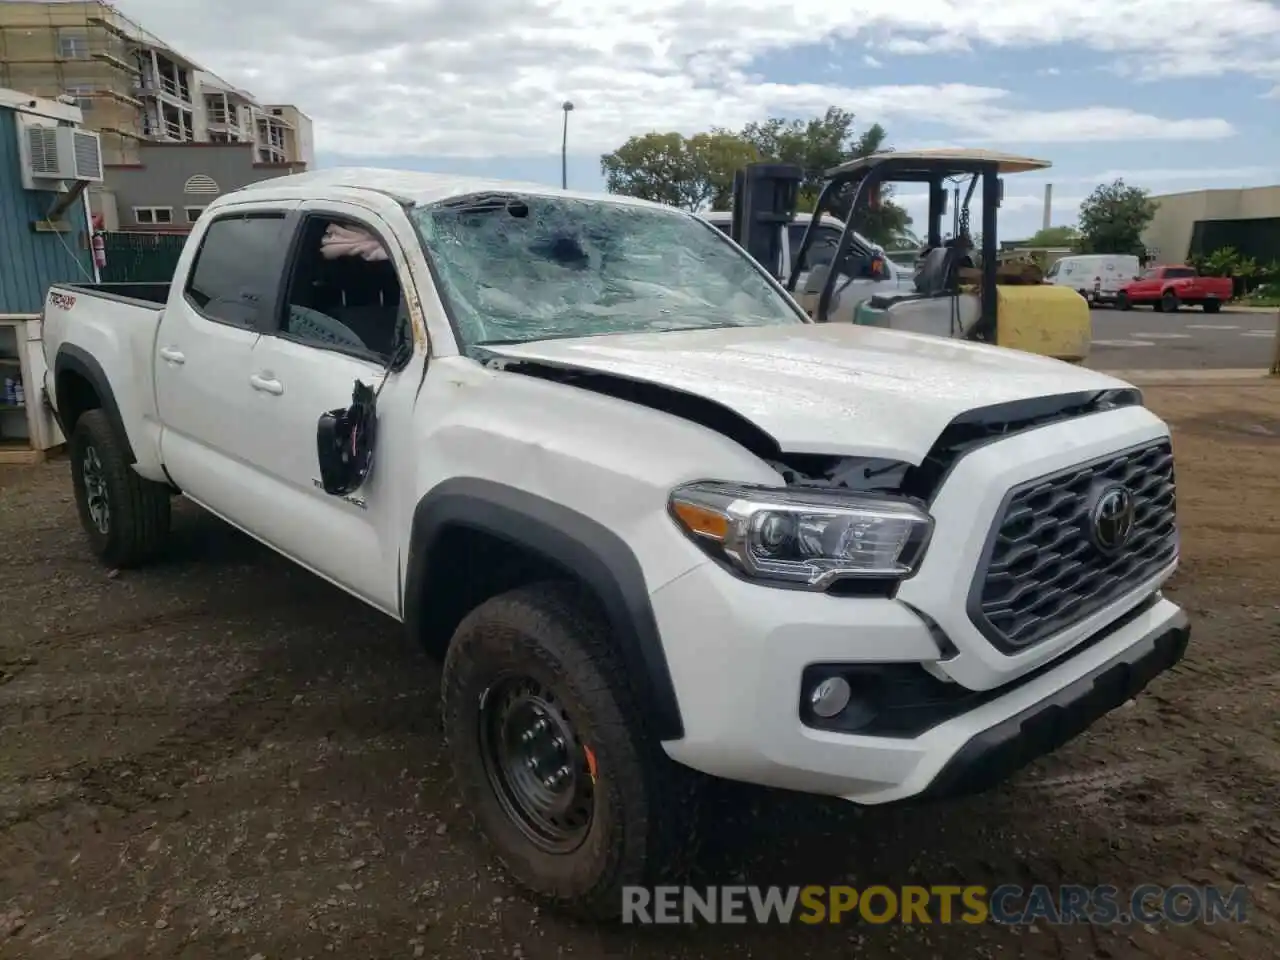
x=343, y=291
x=230, y=278
x=823, y=248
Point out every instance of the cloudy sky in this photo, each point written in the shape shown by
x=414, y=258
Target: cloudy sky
x=1169, y=94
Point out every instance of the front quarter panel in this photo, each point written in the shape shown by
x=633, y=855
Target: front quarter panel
x=611, y=461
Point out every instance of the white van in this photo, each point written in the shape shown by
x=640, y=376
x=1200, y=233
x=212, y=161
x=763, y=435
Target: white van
x=1096, y=277
x=896, y=277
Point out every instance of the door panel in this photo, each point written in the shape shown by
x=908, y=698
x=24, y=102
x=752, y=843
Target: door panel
x=338, y=320
x=339, y=538
x=203, y=350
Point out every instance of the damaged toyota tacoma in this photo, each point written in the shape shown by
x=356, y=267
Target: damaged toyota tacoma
x=656, y=523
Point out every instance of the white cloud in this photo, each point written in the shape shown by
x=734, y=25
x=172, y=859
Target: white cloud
x=871, y=61
x=486, y=77
x=1272, y=94
x=937, y=43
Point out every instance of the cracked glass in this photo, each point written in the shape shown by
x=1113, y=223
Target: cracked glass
x=516, y=268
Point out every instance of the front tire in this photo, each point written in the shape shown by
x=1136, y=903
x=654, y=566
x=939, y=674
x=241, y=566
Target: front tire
x=1169, y=302
x=551, y=756
x=125, y=517
x=1123, y=302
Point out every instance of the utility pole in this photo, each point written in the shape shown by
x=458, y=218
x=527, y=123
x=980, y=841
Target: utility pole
x=567, y=106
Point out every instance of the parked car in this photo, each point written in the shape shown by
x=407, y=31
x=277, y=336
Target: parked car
x=1168, y=288
x=657, y=524
x=1096, y=277
x=872, y=271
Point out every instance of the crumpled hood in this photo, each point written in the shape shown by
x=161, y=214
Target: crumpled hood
x=826, y=388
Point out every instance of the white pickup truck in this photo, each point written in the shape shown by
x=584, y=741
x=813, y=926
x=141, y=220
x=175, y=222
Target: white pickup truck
x=653, y=520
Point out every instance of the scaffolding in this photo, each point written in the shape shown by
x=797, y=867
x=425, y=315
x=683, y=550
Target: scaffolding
x=78, y=49
x=131, y=86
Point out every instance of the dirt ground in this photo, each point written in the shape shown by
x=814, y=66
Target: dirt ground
x=223, y=756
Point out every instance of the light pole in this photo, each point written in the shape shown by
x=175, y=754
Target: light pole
x=564, y=146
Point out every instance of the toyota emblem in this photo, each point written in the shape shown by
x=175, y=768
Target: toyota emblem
x=1111, y=520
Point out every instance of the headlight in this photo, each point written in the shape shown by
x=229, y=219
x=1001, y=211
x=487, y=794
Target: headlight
x=803, y=537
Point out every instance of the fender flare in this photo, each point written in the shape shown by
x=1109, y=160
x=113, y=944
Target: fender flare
x=571, y=540
x=77, y=360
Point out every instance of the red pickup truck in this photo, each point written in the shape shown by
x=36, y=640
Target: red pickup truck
x=1167, y=288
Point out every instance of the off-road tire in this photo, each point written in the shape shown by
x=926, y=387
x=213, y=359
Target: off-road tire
x=138, y=510
x=645, y=806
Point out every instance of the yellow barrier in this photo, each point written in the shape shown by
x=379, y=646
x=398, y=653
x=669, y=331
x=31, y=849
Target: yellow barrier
x=1049, y=320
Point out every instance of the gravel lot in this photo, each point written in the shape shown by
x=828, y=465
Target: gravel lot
x=223, y=756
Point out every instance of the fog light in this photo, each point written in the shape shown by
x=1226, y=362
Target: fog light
x=830, y=697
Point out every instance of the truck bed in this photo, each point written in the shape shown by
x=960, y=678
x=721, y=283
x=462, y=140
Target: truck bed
x=150, y=295
x=107, y=333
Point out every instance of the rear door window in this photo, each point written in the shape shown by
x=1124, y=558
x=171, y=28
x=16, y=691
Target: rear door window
x=237, y=268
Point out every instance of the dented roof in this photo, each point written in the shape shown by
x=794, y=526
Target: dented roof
x=420, y=188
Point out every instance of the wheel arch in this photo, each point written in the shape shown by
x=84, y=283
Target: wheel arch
x=505, y=524
x=82, y=385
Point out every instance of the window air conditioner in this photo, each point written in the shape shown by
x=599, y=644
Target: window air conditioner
x=51, y=155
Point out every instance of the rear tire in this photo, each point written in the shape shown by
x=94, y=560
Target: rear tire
x=125, y=517
x=1212, y=306
x=540, y=723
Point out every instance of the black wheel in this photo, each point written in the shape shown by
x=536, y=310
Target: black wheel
x=551, y=755
x=1122, y=301
x=125, y=516
x=1169, y=302
x=1212, y=306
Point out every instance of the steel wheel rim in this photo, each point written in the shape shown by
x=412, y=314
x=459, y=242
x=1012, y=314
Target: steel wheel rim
x=95, y=490
x=536, y=764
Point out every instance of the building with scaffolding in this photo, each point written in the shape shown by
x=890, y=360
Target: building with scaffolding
x=134, y=88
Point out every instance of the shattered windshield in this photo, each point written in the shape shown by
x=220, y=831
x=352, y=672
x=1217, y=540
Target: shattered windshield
x=520, y=268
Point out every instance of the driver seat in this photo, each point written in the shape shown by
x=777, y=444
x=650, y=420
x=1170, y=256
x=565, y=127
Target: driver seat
x=935, y=277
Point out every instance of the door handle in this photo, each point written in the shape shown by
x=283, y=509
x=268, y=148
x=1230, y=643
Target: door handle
x=170, y=355
x=266, y=384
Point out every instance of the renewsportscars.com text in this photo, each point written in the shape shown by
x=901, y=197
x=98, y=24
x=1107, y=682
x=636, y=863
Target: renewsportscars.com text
x=1008, y=904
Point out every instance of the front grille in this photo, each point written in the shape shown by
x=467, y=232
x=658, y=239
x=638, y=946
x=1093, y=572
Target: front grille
x=1042, y=572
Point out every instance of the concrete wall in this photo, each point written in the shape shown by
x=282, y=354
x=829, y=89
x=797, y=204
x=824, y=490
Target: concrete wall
x=32, y=259
x=1170, y=231
x=161, y=180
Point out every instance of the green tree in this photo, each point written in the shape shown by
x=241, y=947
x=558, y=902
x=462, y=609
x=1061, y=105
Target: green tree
x=1113, y=217
x=1061, y=236
x=656, y=166
x=1221, y=263
x=696, y=172
x=687, y=172
x=820, y=143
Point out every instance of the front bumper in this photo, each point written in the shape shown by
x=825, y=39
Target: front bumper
x=999, y=751
x=738, y=666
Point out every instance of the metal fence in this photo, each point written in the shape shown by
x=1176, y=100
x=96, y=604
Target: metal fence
x=141, y=257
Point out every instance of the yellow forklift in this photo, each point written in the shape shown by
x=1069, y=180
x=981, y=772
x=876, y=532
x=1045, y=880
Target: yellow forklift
x=957, y=291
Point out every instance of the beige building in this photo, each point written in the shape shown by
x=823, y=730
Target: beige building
x=133, y=87
x=1202, y=221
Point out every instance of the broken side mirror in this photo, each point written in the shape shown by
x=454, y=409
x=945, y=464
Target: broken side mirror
x=345, y=440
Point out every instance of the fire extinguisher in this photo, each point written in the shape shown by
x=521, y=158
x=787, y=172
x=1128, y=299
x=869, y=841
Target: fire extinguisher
x=99, y=251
